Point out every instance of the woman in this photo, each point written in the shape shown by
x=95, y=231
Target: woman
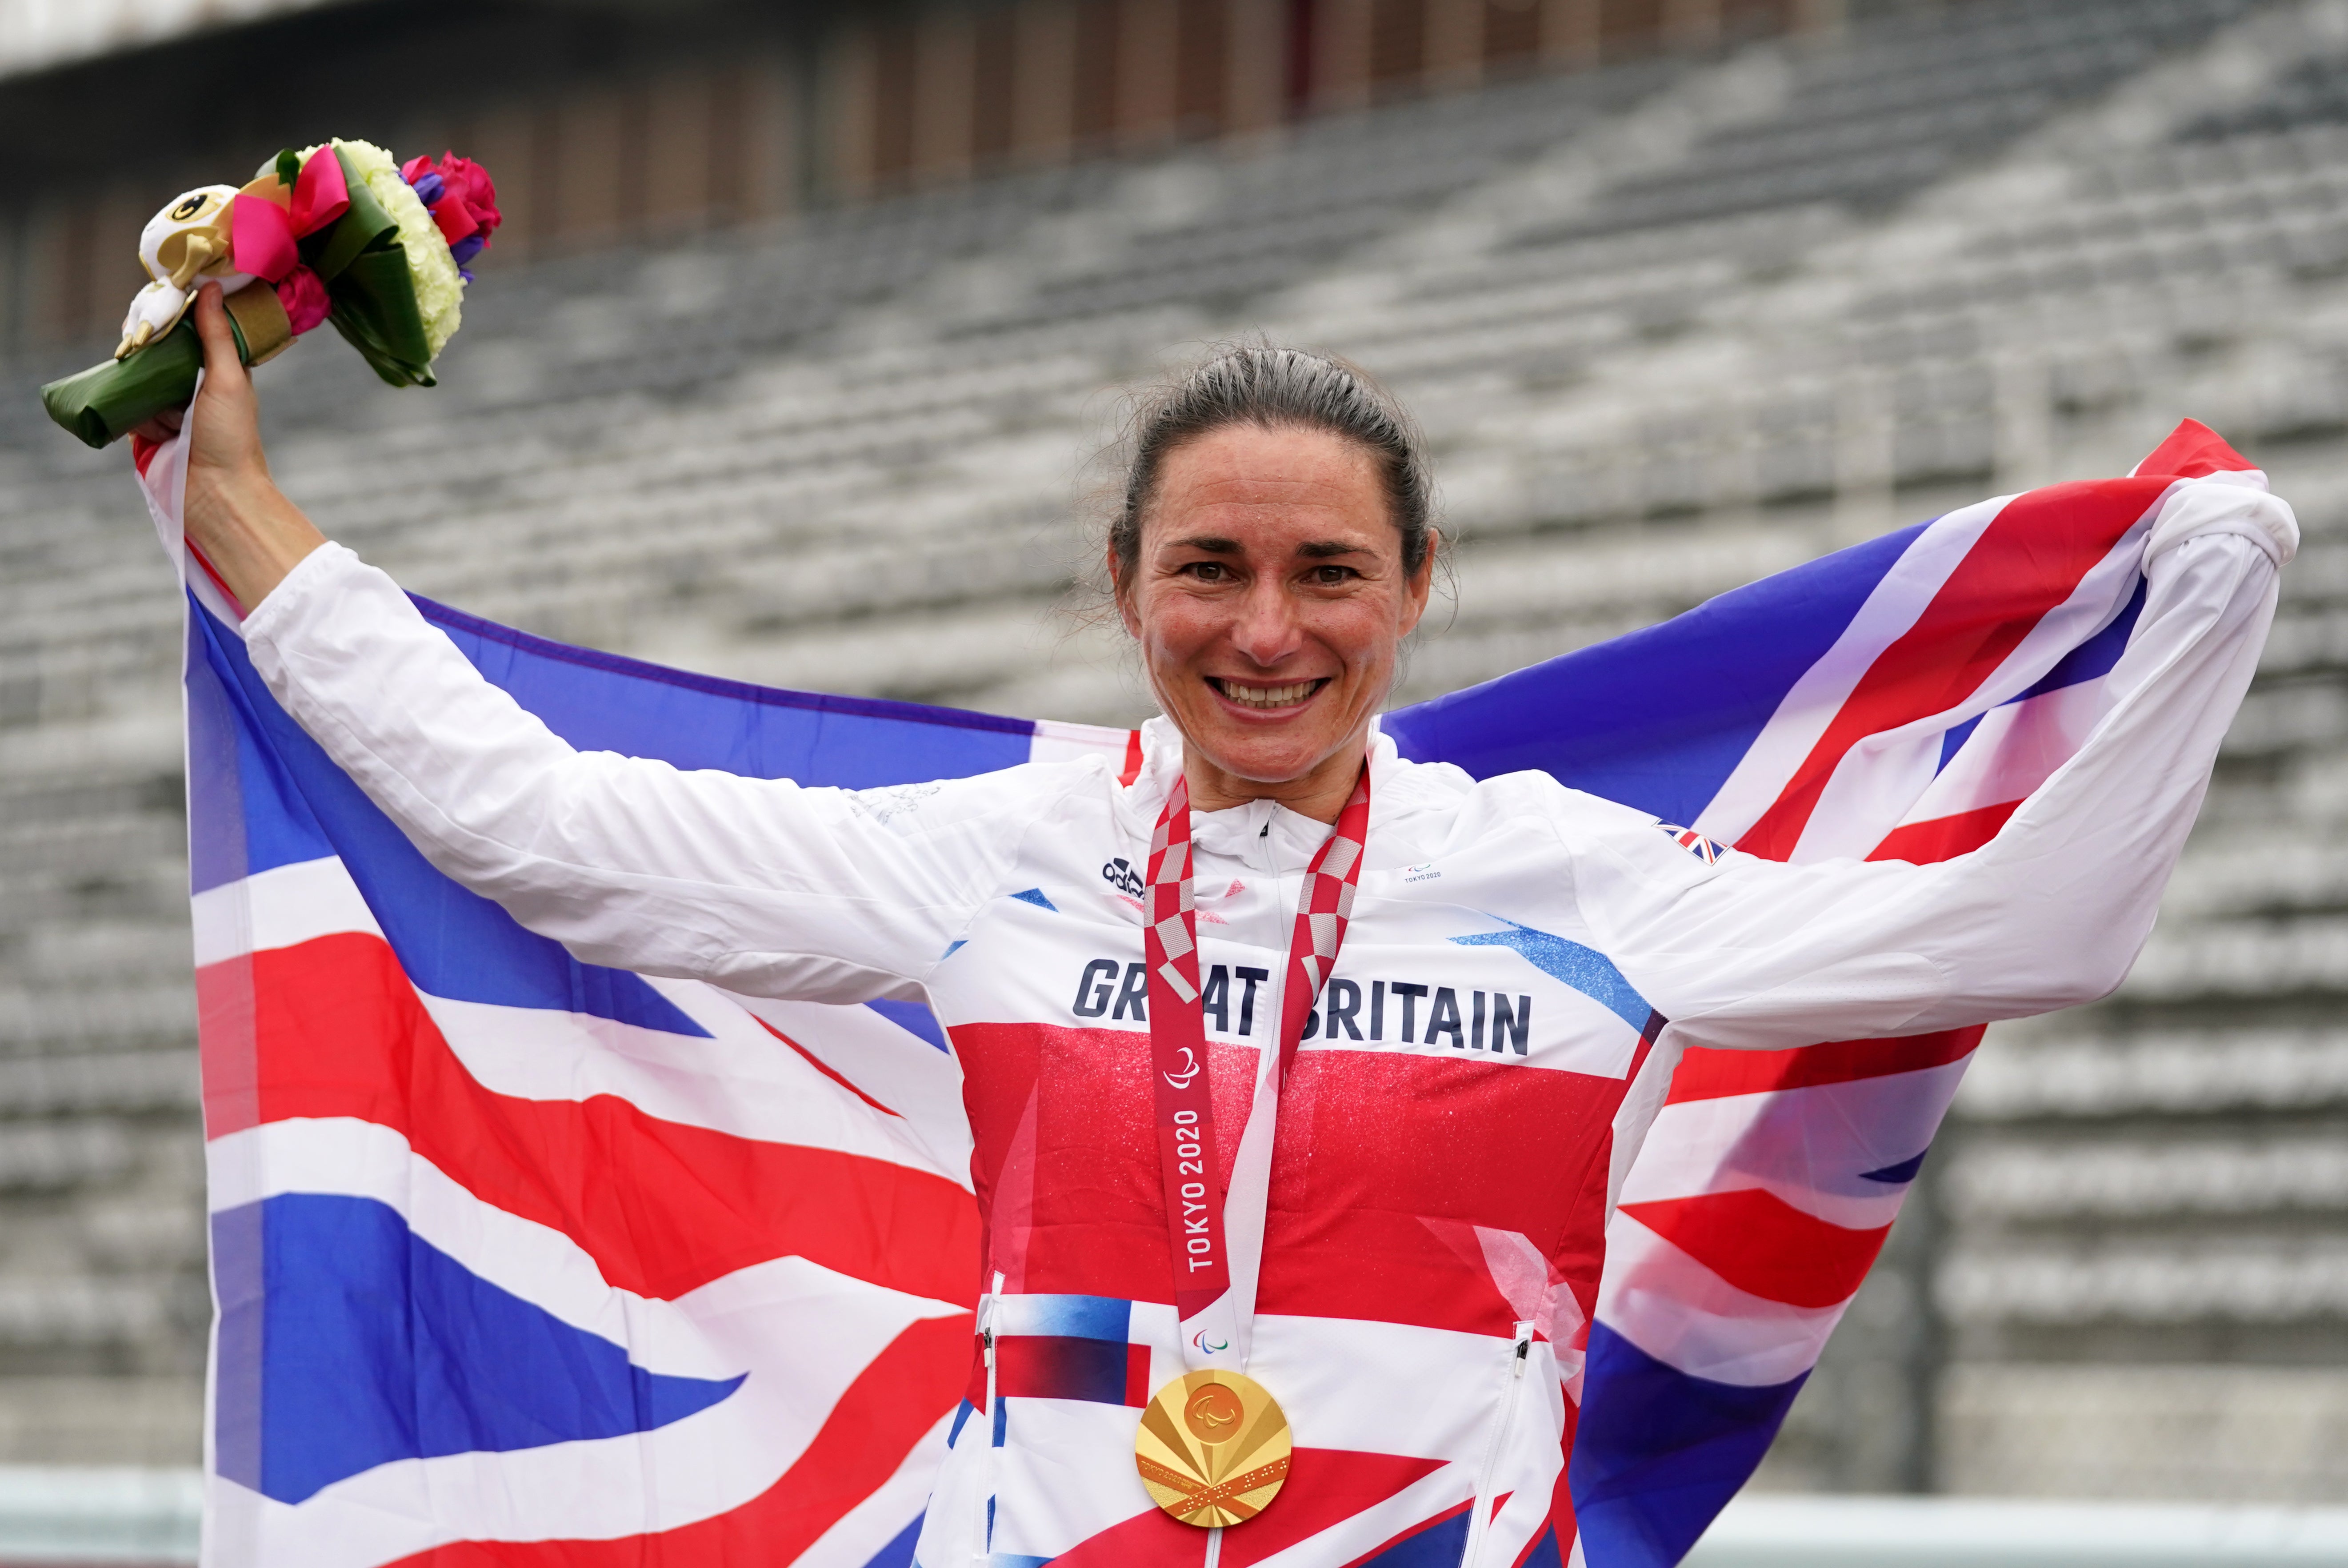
x=1280, y=1057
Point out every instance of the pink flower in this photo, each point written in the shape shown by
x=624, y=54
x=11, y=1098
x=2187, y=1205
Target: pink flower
x=304, y=299
x=472, y=186
x=467, y=208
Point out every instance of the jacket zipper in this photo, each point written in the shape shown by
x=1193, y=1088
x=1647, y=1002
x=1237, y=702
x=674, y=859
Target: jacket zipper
x=1480, y=1525
x=981, y=1545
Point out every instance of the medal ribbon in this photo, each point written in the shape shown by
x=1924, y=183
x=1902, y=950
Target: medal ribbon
x=1194, y=1193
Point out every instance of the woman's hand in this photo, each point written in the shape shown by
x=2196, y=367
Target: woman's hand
x=236, y=517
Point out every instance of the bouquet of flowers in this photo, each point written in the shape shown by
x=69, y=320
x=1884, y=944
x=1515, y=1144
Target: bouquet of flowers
x=337, y=233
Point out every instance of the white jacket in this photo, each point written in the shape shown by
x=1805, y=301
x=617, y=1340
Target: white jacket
x=1524, y=966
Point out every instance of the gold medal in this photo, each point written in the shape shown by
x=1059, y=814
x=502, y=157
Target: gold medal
x=1213, y=1448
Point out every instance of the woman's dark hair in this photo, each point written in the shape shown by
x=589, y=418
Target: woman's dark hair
x=1276, y=388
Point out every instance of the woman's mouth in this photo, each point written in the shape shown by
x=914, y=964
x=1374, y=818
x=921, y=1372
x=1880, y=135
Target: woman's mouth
x=1266, y=699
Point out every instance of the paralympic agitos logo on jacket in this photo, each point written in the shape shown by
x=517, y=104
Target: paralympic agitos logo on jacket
x=1400, y=1012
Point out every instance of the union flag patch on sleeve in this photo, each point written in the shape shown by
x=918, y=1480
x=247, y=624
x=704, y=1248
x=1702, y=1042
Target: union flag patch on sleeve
x=1695, y=842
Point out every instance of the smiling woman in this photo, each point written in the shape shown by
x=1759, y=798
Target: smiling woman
x=1273, y=549
x=1356, y=1256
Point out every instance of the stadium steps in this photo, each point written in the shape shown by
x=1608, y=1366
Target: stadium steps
x=1671, y=326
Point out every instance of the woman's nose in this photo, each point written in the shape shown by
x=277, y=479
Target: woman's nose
x=1268, y=630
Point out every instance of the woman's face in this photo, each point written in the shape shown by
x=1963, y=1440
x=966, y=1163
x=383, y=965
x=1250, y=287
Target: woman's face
x=1269, y=599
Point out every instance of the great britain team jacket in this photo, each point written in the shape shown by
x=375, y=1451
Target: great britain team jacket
x=1525, y=965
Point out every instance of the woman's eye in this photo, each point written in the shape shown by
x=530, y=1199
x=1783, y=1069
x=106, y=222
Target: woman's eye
x=1331, y=576
x=1207, y=571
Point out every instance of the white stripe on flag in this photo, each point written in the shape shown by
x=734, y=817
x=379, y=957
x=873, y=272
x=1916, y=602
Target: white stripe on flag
x=1054, y=741
x=883, y=1516
x=1688, y=1317
x=279, y=907
x=2016, y=748
x=1811, y=703
x=1877, y=780
x=1845, y=1131
x=907, y=1074
x=740, y=1080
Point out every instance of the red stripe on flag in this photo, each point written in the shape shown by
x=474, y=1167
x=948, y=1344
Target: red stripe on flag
x=2194, y=451
x=1766, y=1246
x=228, y=1056
x=1944, y=837
x=663, y=1207
x=885, y=1411
x=2025, y=563
x=219, y=582
x=1706, y=1074
x=812, y=1060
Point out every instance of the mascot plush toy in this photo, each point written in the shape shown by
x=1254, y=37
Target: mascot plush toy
x=186, y=241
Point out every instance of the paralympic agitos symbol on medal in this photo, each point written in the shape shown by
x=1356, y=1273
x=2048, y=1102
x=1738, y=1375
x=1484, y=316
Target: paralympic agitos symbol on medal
x=1213, y=1448
x=1213, y=1445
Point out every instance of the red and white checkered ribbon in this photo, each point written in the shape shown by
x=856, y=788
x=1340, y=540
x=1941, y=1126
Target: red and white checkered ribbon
x=1172, y=941
x=1195, y=1187
x=1321, y=918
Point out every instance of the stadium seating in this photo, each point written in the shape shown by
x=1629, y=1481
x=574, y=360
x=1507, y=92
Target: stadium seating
x=1670, y=325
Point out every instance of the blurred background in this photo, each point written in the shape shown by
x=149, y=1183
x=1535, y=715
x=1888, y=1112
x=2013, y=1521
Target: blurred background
x=785, y=366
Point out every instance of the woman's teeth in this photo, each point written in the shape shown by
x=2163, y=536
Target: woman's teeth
x=1286, y=696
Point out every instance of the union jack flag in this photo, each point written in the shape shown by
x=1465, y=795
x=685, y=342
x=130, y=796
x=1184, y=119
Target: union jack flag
x=518, y=1261
x=1695, y=842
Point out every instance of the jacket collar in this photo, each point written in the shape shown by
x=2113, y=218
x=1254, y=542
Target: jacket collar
x=1294, y=837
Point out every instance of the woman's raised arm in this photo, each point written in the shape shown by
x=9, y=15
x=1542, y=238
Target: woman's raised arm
x=1757, y=954
x=756, y=885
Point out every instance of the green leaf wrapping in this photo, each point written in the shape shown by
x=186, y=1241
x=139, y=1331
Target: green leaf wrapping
x=371, y=289
x=371, y=297
x=374, y=309
x=107, y=402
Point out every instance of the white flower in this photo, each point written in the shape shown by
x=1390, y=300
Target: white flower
x=440, y=290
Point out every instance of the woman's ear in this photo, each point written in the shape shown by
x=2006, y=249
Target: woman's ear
x=1121, y=591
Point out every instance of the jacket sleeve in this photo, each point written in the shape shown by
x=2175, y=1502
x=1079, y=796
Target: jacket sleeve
x=761, y=886
x=1751, y=953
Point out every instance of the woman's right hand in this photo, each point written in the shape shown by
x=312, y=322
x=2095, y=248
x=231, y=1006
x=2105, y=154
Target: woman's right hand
x=236, y=517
